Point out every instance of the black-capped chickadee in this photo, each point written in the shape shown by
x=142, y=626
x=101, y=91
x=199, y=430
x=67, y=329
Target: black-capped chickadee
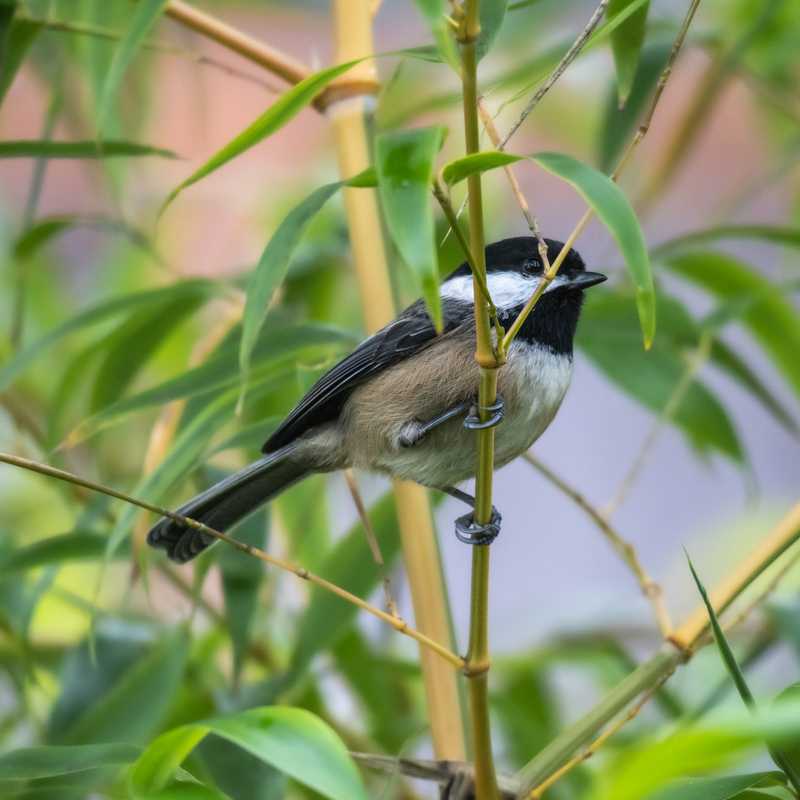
x=402, y=403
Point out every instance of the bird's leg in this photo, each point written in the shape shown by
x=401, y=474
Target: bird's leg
x=414, y=431
x=469, y=531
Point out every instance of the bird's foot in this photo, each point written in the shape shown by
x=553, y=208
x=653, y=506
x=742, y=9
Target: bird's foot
x=470, y=532
x=496, y=411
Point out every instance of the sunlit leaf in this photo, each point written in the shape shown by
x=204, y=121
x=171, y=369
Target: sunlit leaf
x=290, y=739
x=405, y=164
x=604, y=197
x=771, y=318
x=108, y=148
x=626, y=45
x=282, y=111
x=46, y=761
x=143, y=16
x=435, y=12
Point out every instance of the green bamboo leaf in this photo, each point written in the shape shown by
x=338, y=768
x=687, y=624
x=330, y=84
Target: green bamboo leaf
x=732, y=666
x=94, y=315
x=41, y=232
x=292, y=740
x=604, y=197
x=144, y=15
x=726, y=787
x=73, y=546
x=771, y=318
x=349, y=564
x=492, y=14
x=136, y=702
x=128, y=349
x=272, y=268
x=109, y=148
x=791, y=751
x=16, y=37
x=47, y=761
x=185, y=790
x=609, y=334
x=774, y=234
x=435, y=12
x=282, y=111
x=626, y=45
x=405, y=164
x=242, y=577
x=612, y=208
x=618, y=124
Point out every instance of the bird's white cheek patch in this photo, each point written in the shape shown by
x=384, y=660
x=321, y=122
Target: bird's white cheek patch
x=508, y=289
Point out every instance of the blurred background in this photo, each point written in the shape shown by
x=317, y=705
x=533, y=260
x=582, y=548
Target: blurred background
x=695, y=448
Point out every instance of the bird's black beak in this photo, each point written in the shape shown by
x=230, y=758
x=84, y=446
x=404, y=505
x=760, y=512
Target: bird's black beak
x=583, y=280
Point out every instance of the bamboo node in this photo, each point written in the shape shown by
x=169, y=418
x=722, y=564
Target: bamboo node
x=472, y=669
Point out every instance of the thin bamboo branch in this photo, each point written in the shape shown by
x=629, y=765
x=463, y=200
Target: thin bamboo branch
x=397, y=623
x=626, y=551
x=559, y=70
x=477, y=668
x=372, y=541
x=276, y=62
x=349, y=119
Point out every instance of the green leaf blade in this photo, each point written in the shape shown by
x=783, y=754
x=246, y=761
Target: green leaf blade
x=108, y=148
x=626, y=45
x=405, y=166
x=48, y=761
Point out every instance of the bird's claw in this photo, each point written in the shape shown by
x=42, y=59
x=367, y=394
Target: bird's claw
x=470, y=532
x=497, y=410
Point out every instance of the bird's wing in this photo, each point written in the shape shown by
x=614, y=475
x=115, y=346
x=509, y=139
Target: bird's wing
x=409, y=333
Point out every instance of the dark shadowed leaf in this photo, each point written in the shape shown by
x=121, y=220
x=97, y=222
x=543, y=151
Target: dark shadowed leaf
x=619, y=123
x=16, y=37
x=609, y=334
x=292, y=740
x=143, y=16
x=110, y=148
x=284, y=109
x=771, y=318
x=405, y=164
x=47, y=761
x=351, y=566
x=626, y=44
x=242, y=577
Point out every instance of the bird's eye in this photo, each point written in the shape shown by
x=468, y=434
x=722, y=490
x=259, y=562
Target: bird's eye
x=531, y=266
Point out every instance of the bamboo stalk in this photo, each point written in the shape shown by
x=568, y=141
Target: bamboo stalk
x=349, y=117
x=477, y=668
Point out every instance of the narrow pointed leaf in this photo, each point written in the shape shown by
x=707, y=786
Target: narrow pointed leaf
x=435, y=12
x=405, y=165
x=67, y=547
x=143, y=16
x=767, y=313
x=283, y=110
x=725, y=787
x=492, y=14
x=273, y=266
x=774, y=234
x=109, y=148
x=47, y=761
x=626, y=45
x=604, y=197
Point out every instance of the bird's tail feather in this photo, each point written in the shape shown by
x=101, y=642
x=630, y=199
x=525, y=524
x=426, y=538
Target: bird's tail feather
x=225, y=503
